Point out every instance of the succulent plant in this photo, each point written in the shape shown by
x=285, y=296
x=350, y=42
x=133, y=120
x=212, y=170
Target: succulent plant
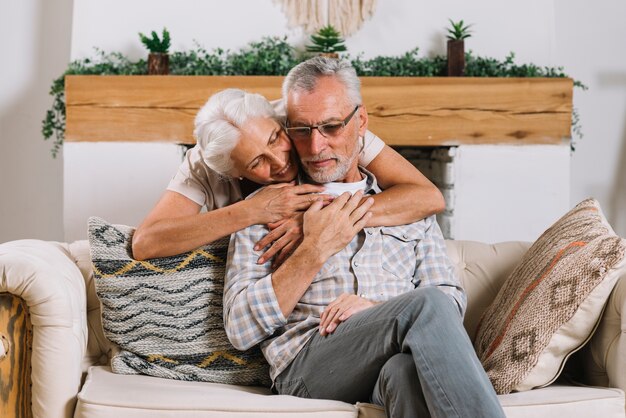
x=156, y=45
x=458, y=30
x=326, y=40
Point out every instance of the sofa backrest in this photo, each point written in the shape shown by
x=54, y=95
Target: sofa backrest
x=483, y=268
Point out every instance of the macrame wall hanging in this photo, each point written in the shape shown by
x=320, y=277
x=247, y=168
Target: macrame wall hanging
x=347, y=16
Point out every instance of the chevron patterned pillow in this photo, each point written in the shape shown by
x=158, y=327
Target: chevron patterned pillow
x=551, y=303
x=165, y=314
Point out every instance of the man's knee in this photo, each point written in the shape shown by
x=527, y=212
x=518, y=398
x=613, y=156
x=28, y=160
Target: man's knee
x=430, y=298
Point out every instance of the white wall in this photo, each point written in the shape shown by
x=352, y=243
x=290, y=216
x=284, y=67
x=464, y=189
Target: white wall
x=585, y=37
x=591, y=44
x=529, y=195
x=36, y=49
x=119, y=182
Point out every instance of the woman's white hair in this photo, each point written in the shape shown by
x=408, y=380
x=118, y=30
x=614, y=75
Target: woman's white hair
x=218, y=123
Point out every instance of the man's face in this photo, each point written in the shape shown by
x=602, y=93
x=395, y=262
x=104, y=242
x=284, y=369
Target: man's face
x=331, y=157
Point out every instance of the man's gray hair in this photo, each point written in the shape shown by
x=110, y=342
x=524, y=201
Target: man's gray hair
x=304, y=77
x=218, y=123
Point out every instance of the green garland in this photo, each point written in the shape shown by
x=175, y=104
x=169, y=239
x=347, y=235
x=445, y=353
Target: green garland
x=274, y=56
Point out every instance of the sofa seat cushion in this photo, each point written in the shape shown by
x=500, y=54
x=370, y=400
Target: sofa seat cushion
x=564, y=401
x=549, y=402
x=109, y=395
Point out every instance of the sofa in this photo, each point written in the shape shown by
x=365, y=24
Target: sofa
x=69, y=360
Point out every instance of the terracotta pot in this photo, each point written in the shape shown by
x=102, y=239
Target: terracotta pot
x=158, y=64
x=456, y=58
x=329, y=55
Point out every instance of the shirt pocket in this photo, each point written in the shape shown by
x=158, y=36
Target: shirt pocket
x=399, y=245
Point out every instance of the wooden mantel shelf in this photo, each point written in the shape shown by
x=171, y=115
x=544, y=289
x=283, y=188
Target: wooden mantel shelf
x=424, y=111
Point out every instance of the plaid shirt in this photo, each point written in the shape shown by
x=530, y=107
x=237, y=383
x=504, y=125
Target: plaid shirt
x=378, y=264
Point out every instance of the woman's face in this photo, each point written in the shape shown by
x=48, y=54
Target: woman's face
x=264, y=153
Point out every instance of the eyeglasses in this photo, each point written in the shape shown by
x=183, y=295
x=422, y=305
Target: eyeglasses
x=330, y=129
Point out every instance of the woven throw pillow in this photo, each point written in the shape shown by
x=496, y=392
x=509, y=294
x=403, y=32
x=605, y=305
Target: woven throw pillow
x=165, y=314
x=551, y=303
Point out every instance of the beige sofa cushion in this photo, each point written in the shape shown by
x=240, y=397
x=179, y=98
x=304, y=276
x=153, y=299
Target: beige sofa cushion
x=107, y=395
x=551, y=303
x=550, y=402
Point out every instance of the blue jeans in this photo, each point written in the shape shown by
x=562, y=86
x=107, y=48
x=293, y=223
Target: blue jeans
x=410, y=354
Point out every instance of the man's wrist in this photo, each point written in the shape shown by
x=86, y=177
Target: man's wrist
x=313, y=252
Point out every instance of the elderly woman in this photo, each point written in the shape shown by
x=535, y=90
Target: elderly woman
x=241, y=145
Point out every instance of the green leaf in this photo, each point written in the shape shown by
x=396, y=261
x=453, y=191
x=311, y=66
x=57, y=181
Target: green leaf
x=327, y=39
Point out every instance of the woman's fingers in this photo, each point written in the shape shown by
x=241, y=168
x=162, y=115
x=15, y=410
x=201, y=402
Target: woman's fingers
x=271, y=237
x=278, y=245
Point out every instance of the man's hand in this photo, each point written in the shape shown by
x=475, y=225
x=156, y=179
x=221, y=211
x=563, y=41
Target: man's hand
x=340, y=310
x=328, y=230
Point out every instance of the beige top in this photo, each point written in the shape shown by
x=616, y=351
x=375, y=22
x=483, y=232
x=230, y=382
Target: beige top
x=196, y=181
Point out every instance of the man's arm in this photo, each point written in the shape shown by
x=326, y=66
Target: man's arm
x=258, y=302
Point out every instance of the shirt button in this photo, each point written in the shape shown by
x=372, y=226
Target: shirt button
x=369, y=232
x=356, y=264
x=362, y=295
x=405, y=236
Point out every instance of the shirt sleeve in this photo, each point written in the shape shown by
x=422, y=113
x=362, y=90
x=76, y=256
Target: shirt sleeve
x=372, y=146
x=251, y=310
x=435, y=268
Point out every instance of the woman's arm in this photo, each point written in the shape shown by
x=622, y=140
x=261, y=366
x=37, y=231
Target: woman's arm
x=175, y=225
x=407, y=195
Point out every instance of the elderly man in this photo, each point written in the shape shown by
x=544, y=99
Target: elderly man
x=354, y=314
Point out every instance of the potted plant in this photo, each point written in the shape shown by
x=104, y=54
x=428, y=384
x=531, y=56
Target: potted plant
x=327, y=42
x=158, y=59
x=457, y=33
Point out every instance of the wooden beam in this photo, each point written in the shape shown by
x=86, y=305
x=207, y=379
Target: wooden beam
x=426, y=111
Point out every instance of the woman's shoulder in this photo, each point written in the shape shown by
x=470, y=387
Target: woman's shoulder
x=196, y=181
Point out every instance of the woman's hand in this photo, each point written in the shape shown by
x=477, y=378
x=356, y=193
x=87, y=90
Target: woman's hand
x=280, y=201
x=285, y=235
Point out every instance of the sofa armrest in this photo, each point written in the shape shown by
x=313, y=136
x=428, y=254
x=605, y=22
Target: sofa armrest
x=44, y=275
x=605, y=363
